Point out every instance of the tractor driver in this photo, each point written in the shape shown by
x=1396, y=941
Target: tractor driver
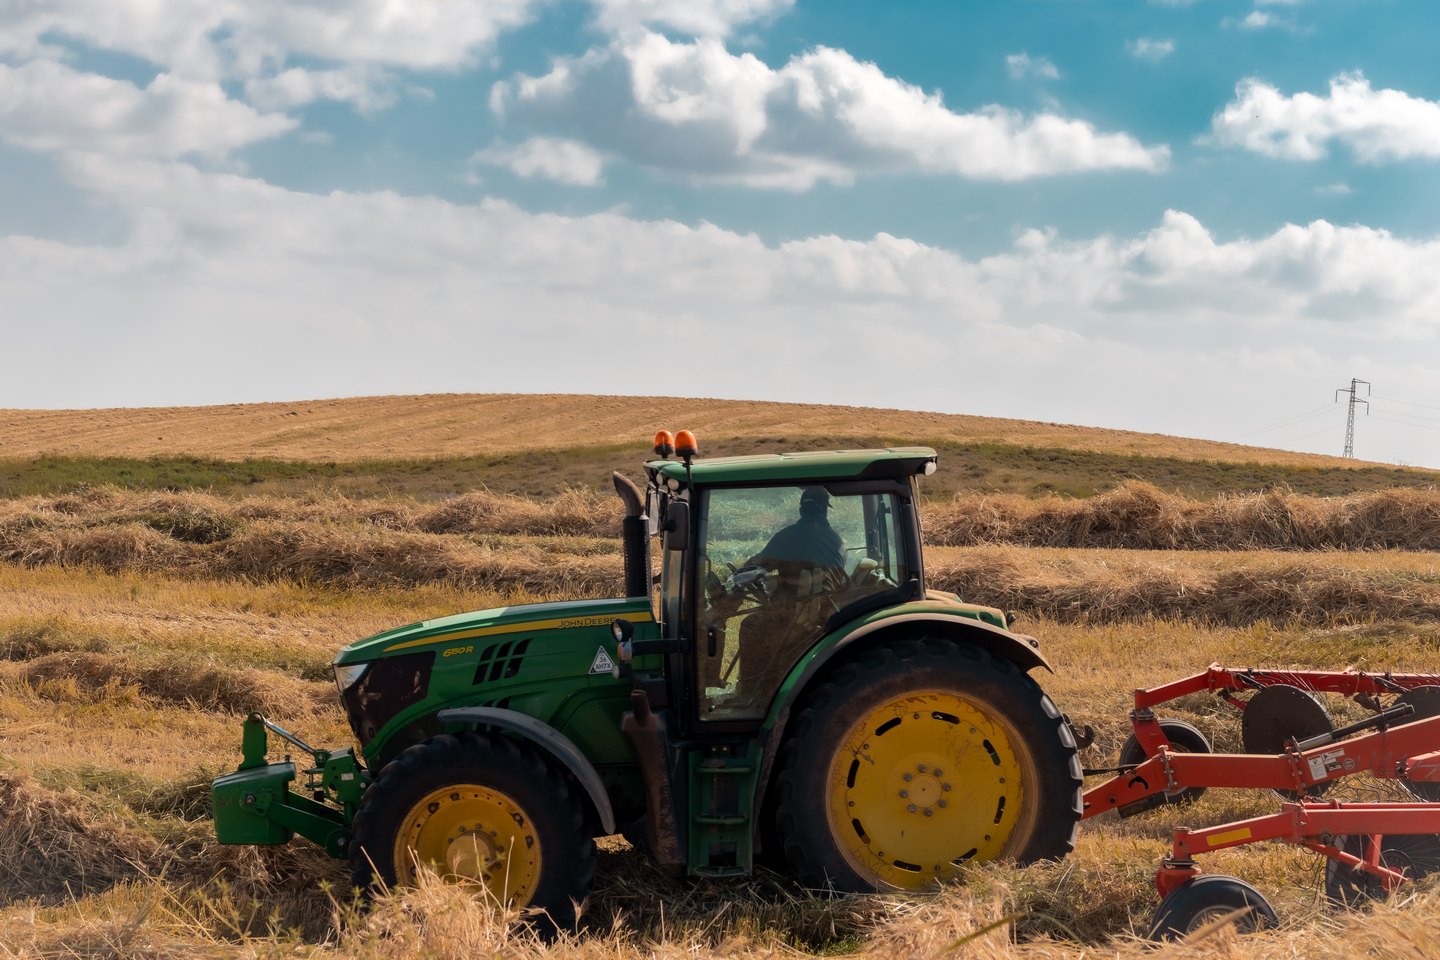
x=809, y=545
x=810, y=559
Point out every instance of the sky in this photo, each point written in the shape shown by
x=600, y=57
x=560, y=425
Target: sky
x=1194, y=217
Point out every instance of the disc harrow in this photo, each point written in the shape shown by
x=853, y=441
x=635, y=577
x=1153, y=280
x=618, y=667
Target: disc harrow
x=1294, y=749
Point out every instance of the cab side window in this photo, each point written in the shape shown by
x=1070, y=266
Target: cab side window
x=776, y=564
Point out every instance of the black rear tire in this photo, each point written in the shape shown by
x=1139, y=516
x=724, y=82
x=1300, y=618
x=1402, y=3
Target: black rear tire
x=821, y=778
x=534, y=795
x=1207, y=898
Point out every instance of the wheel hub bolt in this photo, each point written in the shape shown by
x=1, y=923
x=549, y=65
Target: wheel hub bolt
x=904, y=793
x=928, y=811
x=943, y=804
x=922, y=768
x=911, y=808
x=907, y=778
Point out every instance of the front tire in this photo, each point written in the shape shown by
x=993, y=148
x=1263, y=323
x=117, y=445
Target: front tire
x=917, y=757
x=482, y=811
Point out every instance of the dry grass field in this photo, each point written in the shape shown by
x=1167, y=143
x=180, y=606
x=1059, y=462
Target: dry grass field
x=137, y=627
x=469, y=424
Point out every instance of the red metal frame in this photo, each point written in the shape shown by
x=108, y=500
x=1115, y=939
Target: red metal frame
x=1227, y=681
x=1404, y=749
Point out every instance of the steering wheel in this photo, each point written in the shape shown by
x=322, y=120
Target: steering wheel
x=748, y=581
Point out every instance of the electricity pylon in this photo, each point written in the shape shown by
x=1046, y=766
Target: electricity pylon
x=1350, y=420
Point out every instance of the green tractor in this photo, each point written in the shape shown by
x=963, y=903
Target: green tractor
x=790, y=691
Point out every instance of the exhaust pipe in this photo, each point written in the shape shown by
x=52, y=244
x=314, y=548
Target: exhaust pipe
x=634, y=543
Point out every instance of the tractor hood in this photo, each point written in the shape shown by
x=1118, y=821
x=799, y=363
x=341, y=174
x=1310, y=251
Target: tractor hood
x=526, y=618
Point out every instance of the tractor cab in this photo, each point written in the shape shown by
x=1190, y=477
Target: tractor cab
x=762, y=556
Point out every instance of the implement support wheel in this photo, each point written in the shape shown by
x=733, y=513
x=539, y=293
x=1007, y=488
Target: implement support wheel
x=481, y=811
x=1206, y=899
x=917, y=757
x=1183, y=739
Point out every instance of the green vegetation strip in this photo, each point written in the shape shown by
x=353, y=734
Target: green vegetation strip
x=986, y=467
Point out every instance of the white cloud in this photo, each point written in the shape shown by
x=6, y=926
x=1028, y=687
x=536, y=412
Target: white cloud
x=350, y=48
x=245, y=38
x=1377, y=125
x=700, y=18
x=1262, y=20
x=370, y=90
x=564, y=161
x=1147, y=48
x=697, y=110
x=1021, y=65
x=241, y=290
x=1334, y=190
x=46, y=105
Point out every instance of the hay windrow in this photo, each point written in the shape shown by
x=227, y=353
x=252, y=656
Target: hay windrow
x=1140, y=516
x=1117, y=588
x=56, y=845
x=1132, y=516
x=74, y=675
x=1082, y=586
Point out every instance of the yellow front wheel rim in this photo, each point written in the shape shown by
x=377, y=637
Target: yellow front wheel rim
x=923, y=782
x=468, y=833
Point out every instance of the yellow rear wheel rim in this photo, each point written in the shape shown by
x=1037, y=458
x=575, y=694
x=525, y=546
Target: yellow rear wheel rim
x=924, y=782
x=472, y=834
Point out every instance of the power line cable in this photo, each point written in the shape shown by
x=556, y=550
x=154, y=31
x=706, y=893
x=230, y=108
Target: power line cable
x=1289, y=421
x=1416, y=416
x=1325, y=429
x=1407, y=423
x=1409, y=403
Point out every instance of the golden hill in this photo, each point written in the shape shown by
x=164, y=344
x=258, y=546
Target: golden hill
x=449, y=425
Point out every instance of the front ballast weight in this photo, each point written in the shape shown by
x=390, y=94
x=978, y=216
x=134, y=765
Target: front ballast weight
x=257, y=805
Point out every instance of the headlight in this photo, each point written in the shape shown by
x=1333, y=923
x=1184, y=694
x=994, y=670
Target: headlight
x=373, y=693
x=348, y=675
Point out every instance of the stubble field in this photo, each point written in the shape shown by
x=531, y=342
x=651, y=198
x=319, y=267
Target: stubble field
x=138, y=626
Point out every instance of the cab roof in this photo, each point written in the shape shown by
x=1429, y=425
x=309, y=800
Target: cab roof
x=815, y=466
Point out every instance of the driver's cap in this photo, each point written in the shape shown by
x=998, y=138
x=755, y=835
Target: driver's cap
x=815, y=495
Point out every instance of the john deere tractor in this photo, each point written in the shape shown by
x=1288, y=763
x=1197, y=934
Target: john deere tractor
x=778, y=683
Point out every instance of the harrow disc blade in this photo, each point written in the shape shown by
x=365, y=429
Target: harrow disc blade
x=1426, y=701
x=1278, y=714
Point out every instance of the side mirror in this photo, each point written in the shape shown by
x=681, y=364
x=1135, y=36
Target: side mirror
x=622, y=630
x=676, y=525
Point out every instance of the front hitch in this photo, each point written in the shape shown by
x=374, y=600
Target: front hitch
x=255, y=805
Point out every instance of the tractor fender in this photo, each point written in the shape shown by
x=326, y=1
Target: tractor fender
x=550, y=741
x=1020, y=649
